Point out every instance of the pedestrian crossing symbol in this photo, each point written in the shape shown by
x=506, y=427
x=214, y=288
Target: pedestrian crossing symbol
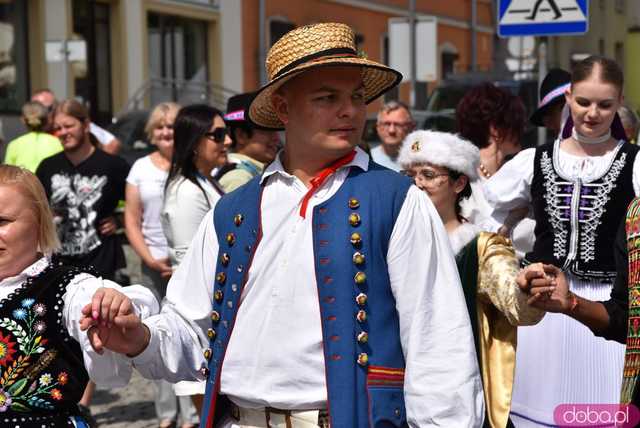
x=542, y=17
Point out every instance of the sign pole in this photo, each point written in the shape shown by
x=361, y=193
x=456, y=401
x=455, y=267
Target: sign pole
x=412, y=49
x=542, y=72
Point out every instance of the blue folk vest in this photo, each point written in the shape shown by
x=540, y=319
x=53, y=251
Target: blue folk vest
x=364, y=363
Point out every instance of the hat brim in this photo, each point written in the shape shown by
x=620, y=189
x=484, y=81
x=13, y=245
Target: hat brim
x=376, y=78
x=538, y=115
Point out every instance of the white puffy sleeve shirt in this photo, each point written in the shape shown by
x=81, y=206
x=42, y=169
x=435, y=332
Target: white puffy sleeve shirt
x=110, y=369
x=442, y=381
x=510, y=187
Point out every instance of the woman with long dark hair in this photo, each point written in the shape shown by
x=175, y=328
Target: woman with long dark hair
x=200, y=145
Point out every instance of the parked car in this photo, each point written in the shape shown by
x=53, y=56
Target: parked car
x=129, y=129
x=441, y=106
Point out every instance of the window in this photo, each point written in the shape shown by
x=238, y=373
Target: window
x=277, y=29
x=619, y=54
x=14, y=67
x=177, y=59
x=90, y=57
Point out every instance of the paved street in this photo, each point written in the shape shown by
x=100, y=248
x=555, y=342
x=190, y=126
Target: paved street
x=132, y=406
x=129, y=407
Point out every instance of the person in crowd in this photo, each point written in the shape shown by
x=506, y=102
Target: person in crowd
x=443, y=166
x=253, y=147
x=108, y=142
x=84, y=185
x=630, y=123
x=46, y=360
x=493, y=120
x=143, y=207
x=570, y=184
x=31, y=148
x=201, y=144
x=552, y=100
x=393, y=125
x=316, y=313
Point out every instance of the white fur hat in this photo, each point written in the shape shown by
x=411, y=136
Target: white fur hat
x=441, y=149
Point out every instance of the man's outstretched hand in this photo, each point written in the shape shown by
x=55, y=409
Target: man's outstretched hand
x=111, y=323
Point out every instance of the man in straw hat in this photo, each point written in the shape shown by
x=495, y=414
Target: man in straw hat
x=336, y=300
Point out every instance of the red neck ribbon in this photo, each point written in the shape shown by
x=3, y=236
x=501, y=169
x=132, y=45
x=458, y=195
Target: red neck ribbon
x=317, y=181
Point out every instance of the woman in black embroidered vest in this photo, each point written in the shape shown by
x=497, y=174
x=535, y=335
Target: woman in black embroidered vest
x=42, y=362
x=577, y=189
x=442, y=165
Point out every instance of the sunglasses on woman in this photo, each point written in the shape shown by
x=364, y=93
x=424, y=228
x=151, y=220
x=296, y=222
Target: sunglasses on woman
x=217, y=135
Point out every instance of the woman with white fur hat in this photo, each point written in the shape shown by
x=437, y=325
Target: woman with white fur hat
x=443, y=165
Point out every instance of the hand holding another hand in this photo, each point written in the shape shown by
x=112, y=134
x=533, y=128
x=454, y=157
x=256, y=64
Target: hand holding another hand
x=111, y=323
x=548, y=287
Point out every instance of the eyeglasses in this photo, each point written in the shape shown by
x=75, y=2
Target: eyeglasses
x=218, y=135
x=428, y=176
x=386, y=125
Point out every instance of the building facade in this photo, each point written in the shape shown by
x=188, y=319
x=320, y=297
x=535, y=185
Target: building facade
x=113, y=54
x=244, y=55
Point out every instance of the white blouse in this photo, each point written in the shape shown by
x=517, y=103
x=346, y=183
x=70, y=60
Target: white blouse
x=109, y=369
x=510, y=187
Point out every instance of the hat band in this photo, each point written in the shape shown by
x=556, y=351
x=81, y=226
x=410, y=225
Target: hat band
x=234, y=115
x=553, y=94
x=347, y=52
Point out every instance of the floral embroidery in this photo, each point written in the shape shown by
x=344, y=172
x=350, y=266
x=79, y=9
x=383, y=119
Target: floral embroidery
x=46, y=379
x=24, y=384
x=40, y=309
x=27, y=303
x=56, y=394
x=20, y=314
x=5, y=401
x=7, y=349
x=63, y=378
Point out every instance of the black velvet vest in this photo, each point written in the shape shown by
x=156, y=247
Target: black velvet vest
x=576, y=221
x=42, y=374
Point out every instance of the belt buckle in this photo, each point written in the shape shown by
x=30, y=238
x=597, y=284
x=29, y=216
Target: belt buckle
x=235, y=412
x=323, y=418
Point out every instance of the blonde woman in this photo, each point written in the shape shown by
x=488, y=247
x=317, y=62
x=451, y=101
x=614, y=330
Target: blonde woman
x=46, y=360
x=144, y=199
x=31, y=148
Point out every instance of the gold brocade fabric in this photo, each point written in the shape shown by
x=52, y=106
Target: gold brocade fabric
x=501, y=306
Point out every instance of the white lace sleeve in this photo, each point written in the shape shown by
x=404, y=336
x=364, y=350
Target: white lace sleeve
x=110, y=369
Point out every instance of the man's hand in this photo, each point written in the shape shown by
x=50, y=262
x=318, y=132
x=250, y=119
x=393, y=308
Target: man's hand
x=111, y=323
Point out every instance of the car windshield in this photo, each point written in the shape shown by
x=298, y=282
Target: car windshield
x=446, y=97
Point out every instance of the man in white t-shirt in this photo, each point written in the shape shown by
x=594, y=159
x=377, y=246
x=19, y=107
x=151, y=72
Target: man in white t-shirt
x=108, y=142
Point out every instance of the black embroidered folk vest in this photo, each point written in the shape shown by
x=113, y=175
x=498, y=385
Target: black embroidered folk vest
x=576, y=221
x=42, y=374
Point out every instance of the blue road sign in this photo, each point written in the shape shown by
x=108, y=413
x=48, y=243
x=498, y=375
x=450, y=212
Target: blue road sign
x=542, y=17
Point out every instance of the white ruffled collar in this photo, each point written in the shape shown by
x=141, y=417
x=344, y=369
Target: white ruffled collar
x=29, y=272
x=462, y=235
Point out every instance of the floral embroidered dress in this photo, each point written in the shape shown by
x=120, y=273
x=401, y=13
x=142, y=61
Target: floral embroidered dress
x=45, y=360
x=575, y=200
x=488, y=268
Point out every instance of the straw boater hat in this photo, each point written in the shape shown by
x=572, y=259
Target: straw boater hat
x=310, y=47
x=440, y=149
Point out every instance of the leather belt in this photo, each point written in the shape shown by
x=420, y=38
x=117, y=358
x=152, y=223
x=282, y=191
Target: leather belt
x=291, y=418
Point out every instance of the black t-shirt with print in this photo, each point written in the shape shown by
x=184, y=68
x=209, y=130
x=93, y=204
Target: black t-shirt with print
x=81, y=196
